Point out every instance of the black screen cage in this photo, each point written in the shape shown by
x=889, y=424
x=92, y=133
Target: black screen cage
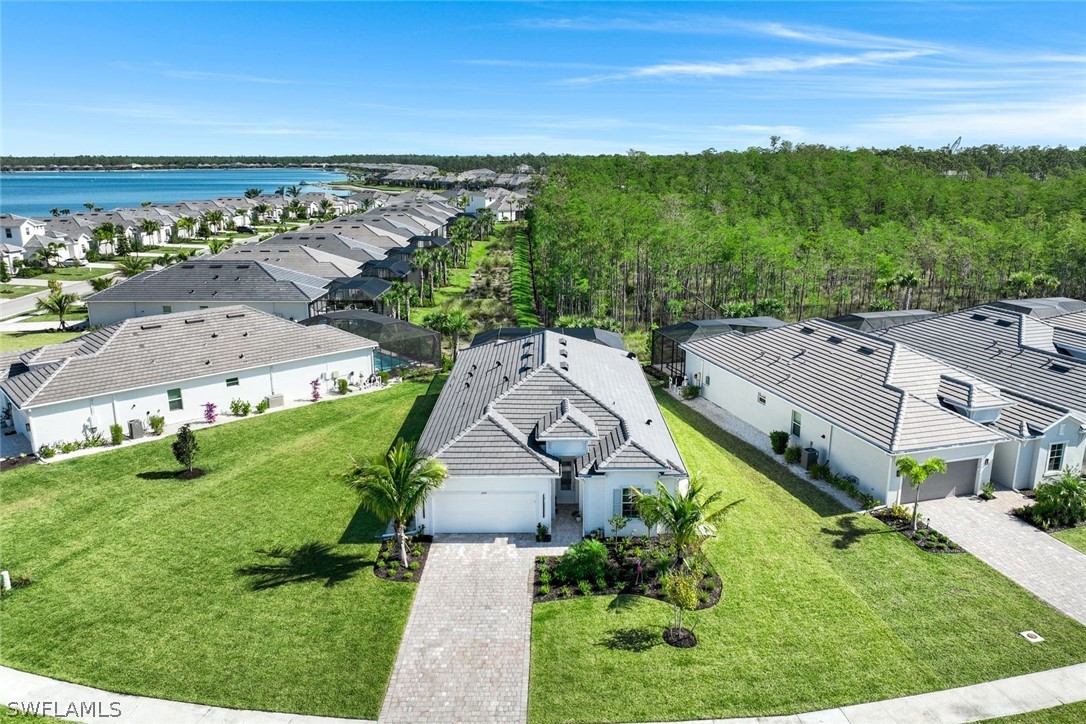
x=400, y=342
x=669, y=359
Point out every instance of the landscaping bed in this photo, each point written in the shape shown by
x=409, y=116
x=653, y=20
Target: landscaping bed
x=634, y=567
x=17, y=462
x=388, y=563
x=924, y=537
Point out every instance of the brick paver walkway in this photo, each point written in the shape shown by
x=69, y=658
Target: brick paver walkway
x=1051, y=570
x=465, y=653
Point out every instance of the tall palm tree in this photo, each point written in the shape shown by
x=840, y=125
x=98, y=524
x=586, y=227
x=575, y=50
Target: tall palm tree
x=326, y=208
x=423, y=261
x=149, y=227
x=130, y=265
x=54, y=211
x=442, y=256
x=394, y=487
x=258, y=212
x=485, y=223
x=214, y=219
x=908, y=281
x=65, y=212
x=100, y=283
x=253, y=193
x=918, y=475
x=88, y=205
x=295, y=208
x=59, y=304
x=187, y=224
x=405, y=292
x=457, y=324
x=50, y=253
x=687, y=517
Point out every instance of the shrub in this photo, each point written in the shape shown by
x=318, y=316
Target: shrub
x=116, y=434
x=1061, y=502
x=778, y=439
x=544, y=589
x=584, y=587
x=867, y=502
x=240, y=408
x=211, y=412
x=601, y=584
x=567, y=591
x=68, y=447
x=158, y=424
x=341, y=385
x=185, y=447
x=987, y=491
x=383, y=374
x=46, y=452
x=584, y=560
x=315, y=390
x=541, y=532
x=689, y=392
x=394, y=565
x=544, y=576
x=413, y=565
x=793, y=454
x=262, y=406
x=897, y=511
x=820, y=471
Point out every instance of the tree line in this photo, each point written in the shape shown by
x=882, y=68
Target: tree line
x=502, y=163
x=799, y=231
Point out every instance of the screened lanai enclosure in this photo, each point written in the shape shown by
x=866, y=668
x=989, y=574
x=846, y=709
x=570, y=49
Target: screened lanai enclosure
x=874, y=321
x=669, y=360
x=399, y=342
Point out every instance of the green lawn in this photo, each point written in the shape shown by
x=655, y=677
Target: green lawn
x=1074, y=537
x=74, y=274
x=76, y=316
x=459, y=282
x=521, y=280
x=11, y=291
x=1066, y=714
x=138, y=583
x=13, y=341
x=821, y=608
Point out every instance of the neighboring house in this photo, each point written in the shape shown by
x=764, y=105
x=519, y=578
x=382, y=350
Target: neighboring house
x=296, y=257
x=171, y=365
x=204, y=283
x=18, y=230
x=374, y=234
x=67, y=249
x=872, y=321
x=668, y=358
x=11, y=253
x=332, y=243
x=1028, y=359
x=859, y=402
x=540, y=426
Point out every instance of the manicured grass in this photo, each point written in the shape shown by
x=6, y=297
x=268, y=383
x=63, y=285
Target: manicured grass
x=11, y=291
x=13, y=341
x=76, y=316
x=821, y=608
x=138, y=578
x=1066, y=714
x=459, y=282
x=1074, y=537
x=74, y=274
x=520, y=277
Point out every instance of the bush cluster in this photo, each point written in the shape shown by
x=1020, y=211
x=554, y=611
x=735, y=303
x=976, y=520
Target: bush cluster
x=240, y=408
x=778, y=440
x=47, y=451
x=689, y=392
x=1061, y=502
x=793, y=454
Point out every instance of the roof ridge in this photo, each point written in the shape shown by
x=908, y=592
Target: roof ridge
x=60, y=365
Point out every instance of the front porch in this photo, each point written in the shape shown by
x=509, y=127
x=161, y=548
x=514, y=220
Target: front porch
x=566, y=530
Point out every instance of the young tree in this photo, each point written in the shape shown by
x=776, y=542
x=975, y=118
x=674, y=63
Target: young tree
x=185, y=447
x=457, y=324
x=59, y=304
x=681, y=591
x=394, y=487
x=918, y=475
x=689, y=517
x=5, y=274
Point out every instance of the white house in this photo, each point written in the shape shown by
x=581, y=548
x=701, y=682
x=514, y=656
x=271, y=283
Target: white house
x=543, y=425
x=859, y=402
x=18, y=230
x=171, y=365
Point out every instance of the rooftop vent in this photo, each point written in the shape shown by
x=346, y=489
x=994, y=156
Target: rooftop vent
x=564, y=365
x=865, y=350
x=564, y=352
x=188, y=266
x=1062, y=369
x=150, y=326
x=1004, y=323
x=562, y=340
x=979, y=317
x=194, y=321
x=214, y=335
x=214, y=266
x=648, y=421
x=806, y=330
x=835, y=340
x=235, y=315
x=631, y=355
x=799, y=354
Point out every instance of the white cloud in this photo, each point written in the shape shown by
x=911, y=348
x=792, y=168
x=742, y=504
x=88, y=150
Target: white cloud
x=232, y=77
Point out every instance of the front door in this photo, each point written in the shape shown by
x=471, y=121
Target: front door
x=567, y=484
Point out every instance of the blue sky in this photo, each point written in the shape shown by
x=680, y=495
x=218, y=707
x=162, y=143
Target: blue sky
x=321, y=78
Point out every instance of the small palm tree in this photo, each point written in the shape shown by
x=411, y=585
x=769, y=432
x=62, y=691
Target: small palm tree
x=908, y=281
x=395, y=486
x=918, y=475
x=59, y=304
x=149, y=227
x=50, y=253
x=406, y=292
x=217, y=245
x=688, y=517
x=130, y=265
x=253, y=193
x=187, y=224
x=326, y=208
x=457, y=324
x=100, y=283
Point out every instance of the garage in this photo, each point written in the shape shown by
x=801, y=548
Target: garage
x=959, y=479
x=485, y=512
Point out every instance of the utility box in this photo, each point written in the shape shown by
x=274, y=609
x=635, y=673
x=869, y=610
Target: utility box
x=274, y=400
x=135, y=429
x=809, y=458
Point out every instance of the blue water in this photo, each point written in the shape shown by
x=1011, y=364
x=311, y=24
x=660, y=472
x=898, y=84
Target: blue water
x=35, y=193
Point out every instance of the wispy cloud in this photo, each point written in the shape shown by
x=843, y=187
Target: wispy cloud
x=232, y=77
x=750, y=66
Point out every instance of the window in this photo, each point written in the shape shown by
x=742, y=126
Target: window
x=231, y=381
x=796, y=423
x=166, y=309
x=629, y=510
x=174, y=396
x=1055, y=457
x=761, y=399
x=7, y=233
x=566, y=483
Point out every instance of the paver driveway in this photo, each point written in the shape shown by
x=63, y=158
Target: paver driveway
x=1051, y=570
x=465, y=653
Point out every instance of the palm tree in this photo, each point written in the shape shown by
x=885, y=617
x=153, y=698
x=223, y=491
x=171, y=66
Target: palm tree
x=294, y=191
x=50, y=253
x=59, y=304
x=187, y=224
x=295, y=208
x=65, y=212
x=422, y=261
x=687, y=517
x=405, y=292
x=253, y=193
x=918, y=475
x=89, y=205
x=100, y=283
x=442, y=257
x=149, y=227
x=394, y=487
x=217, y=245
x=54, y=211
x=280, y=191
x=326, y=208
x=485, y=223
x=908, y=281
x=106, y=234
x=214, y=219
x=258, y=212
x=165, y=260
x=130, y=266
x=457, y=324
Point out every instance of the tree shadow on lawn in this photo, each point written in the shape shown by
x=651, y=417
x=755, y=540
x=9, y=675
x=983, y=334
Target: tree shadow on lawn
x=847, y=532
x=411, y=428
x=800, y=489
x=307, y=563
x=637, y=639
x=363, y=528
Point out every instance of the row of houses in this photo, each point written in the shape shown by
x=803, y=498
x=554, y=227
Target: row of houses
x=423, y=176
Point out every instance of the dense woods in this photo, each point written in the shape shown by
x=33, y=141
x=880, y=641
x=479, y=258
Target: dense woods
x=800, y=231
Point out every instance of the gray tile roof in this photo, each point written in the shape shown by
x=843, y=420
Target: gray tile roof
x=168, y=348
x=216, y=280
x=1075, y=322
x=565, y=422
x=519, y=384
x=326, y=241
x=296, y=257
x=881, y=392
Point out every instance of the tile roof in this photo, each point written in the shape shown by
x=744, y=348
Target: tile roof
x=296, y=257
x=558, y=381
x=168, y=348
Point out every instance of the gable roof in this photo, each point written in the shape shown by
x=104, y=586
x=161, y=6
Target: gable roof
x=555, y=384
x=296, y=257
x=168, y=348
x=881, y=392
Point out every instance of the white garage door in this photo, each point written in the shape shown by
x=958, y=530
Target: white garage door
x=479, y=512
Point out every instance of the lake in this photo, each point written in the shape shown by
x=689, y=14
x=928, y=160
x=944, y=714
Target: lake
x=35, y=193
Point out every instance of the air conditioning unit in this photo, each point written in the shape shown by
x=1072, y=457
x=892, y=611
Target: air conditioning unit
x=135, y=429
x=809, y=457
x=274, y=400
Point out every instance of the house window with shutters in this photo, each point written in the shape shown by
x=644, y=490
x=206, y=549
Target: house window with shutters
x=624, y=502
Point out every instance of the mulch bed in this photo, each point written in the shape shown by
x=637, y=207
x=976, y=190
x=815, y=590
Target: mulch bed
x=388, y=564
x=623, y=576
x=12, y=463
x=1026, y=514
x=680, y=638
x=191, y=474
x=925, y=537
